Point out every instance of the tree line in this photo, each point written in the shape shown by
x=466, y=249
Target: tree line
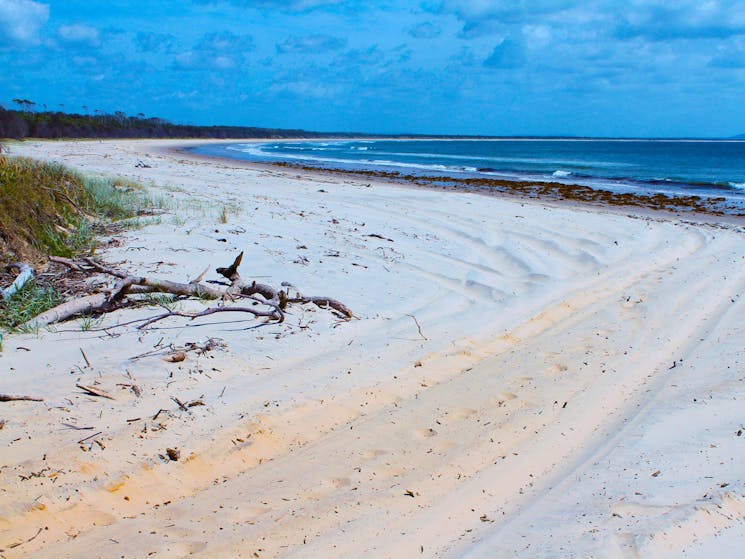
x=30, y=123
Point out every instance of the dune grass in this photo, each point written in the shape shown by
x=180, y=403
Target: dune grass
x=47, y=209
x=31, y=300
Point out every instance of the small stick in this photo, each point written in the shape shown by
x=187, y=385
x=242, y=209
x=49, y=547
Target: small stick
x=418, y=327
x=88, y=363
x=81, y=441
x=161, y=410
x=77, y=428
x=13, y=398
x=180, y=403
x=93, y=391
x=32, y=538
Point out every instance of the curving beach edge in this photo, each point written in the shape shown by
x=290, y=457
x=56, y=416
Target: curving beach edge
x=521, y=379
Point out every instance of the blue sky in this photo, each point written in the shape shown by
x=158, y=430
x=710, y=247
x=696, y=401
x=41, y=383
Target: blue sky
x=542, y=67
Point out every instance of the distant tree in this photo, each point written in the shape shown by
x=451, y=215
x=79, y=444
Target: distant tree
x=24, y=104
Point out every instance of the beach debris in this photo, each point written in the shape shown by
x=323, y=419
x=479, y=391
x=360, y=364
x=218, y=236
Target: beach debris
x=18, y=544
x=174, y=454
x=81, y=441
x=176, y=357
x=14, y=398
x=93, y=391
x=418, y=326
x=25, y=273
x=180, y=403
x=133, y=387
x=87, y=362
x=378, y=236
x=120, y=295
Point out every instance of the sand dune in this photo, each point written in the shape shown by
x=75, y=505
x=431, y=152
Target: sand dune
x=522, y=380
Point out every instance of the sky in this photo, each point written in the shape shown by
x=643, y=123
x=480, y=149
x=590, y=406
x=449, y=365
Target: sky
x=643, y=68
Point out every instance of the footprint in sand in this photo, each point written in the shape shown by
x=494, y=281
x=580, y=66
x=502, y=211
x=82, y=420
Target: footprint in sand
x=557, y=369
x=373, y=454
x=503, y=398
x=425, y=433
x=182, y=549
x=244, y=514
x=463, y=413
x=337, y=482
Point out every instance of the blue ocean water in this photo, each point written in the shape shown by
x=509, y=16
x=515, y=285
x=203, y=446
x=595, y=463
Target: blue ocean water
x=678, y=167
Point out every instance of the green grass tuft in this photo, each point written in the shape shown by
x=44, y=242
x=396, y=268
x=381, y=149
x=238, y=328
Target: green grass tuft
x=47, y=209
x=31, y=300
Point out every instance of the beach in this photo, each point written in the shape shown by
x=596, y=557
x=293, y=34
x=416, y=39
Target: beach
x=520, y=379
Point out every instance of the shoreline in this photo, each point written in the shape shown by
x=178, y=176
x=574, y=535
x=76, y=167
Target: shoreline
x=524, y=378
x=561, y=194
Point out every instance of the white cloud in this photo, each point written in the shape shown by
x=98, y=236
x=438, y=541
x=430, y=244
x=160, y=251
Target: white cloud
x=20, y=21
x=80, y=34
x=283, y=5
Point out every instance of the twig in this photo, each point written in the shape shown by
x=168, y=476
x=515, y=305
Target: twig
x=180, y=403
x=207, y=312
x=376, y=236
x=78, y=428
x=93, y=391
x=81, y=441
x=85, y=357
x=418, y=327
x=67, y=262
x=32, y=538
x=13, y=398
x=161, y=410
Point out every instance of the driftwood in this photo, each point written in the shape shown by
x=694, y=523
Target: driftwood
x=13, y=398
x=274, y=301
x=25, y=273
x=93, y=391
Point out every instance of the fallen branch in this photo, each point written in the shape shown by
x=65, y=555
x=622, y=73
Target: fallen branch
x=117, y=296
x=13, y=398
x=25, y=273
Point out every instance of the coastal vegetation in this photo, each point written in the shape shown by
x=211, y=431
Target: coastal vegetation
x=50, y=218
x=30, y=123
x=48, y=210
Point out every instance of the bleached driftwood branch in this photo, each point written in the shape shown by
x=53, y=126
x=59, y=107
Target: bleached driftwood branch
x=25, y=273
x=274, y=300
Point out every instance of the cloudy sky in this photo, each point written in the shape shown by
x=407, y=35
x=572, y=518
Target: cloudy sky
x=519, y=67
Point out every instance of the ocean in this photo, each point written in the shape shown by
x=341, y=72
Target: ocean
x=707, y=168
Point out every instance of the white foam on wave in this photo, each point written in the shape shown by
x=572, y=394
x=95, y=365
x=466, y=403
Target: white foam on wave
x=738, y=185
x=561, y=173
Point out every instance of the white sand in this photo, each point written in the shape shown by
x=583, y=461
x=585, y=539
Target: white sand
x=538, y=413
